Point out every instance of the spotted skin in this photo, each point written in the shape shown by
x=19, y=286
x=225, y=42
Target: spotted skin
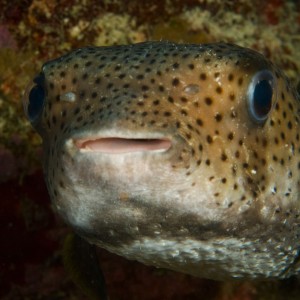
x=217, y=198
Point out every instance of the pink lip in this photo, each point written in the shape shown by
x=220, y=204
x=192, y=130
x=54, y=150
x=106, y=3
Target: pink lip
x=117, y=145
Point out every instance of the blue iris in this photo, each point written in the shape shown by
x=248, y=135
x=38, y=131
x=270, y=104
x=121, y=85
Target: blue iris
x=261, y=95
x=36, y=98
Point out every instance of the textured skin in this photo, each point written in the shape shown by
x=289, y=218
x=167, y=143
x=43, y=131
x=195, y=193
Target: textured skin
x=221, y=202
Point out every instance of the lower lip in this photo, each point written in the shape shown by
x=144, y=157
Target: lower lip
x=115, y=145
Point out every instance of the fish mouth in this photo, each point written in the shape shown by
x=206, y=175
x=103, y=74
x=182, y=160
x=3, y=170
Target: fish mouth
x=119, y=145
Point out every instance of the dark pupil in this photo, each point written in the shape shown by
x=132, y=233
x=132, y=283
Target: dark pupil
x=36, y=101
x=262, y=98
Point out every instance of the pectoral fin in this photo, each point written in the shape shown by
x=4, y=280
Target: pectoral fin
x=81, y=261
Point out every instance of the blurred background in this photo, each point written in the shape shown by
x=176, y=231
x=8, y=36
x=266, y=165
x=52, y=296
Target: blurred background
x=34, y=31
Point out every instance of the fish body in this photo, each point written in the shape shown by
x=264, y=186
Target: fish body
x=184, y=157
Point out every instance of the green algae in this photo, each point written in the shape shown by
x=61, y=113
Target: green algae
x=15, y=131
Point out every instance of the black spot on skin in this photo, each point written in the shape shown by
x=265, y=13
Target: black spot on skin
x=291, y=106
x=170, y=99
x=230, y=136
x=161, y=88
x=209, y=139
x=183, y=99
x=175, y=65
x=219, y=90
x=264, y=142
x=208, y=101
x=203, y=76
x=199, y=122
x=245, y=165
x=81, y=94
x=188, y=136
x=231, y=97
x=175, y=82
x=218, y=117
x=145, y=88
x=184, y=112
x=110, y=85
x=230, y=77
x=223, y=157
x=79, y=119
x=190, y=127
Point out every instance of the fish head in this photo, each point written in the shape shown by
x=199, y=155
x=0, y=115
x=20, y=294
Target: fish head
x=175, y=155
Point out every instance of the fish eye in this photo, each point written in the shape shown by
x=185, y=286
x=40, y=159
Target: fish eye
x=34, y=98
x=261, y=95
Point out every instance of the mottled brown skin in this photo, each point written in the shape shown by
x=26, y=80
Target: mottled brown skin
x=221, y=202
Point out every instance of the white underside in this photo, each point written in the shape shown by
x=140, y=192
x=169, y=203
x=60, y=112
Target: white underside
x=210, y=259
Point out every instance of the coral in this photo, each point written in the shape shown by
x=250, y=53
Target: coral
x=279, y=42
x=32, y=32
x=117, y=29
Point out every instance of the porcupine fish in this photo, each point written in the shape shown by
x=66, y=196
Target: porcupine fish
x=184, y=157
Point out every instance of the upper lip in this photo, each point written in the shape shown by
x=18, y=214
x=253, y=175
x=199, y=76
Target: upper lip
x=116, y=144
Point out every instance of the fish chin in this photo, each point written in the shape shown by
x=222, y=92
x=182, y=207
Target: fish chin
x=118, y=175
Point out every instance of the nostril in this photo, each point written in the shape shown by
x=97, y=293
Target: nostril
x=123, y=145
